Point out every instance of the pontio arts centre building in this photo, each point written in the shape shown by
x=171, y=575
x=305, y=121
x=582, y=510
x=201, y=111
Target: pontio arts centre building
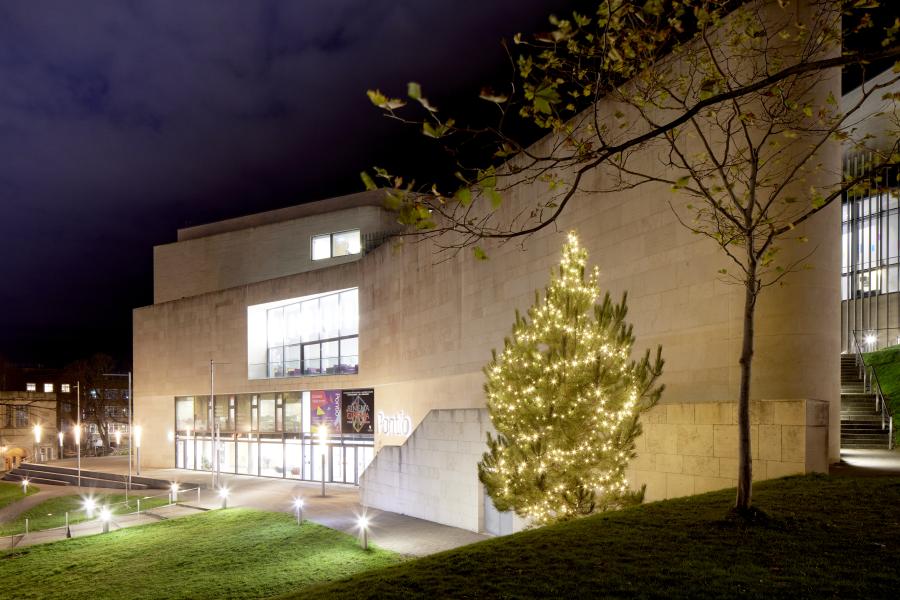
x=312, y=316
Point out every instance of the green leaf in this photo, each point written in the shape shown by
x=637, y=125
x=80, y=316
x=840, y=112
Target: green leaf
x=496, y=198
x=479, y=253
x=368, y=181
x=464, y=196
x=392, y=202
x=414, y=90
x=681, y=182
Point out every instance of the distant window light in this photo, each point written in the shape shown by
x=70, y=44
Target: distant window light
x=341, y=243
x=65, y=388
x=48, y=387
x=30, y=387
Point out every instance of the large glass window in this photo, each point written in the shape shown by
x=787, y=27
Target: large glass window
x=267, y=413
x=184, y=414
x=318, y=336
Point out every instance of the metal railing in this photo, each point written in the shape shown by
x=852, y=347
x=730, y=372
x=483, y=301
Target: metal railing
x=88, y=515
x=871, y=385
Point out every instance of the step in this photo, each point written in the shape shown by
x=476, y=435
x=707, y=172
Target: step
x=61, y=479
x=69, y=472
x=11, y=476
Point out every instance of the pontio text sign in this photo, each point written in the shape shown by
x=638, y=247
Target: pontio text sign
x=399, y=424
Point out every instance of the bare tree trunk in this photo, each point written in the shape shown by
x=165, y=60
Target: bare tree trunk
x=745, y=462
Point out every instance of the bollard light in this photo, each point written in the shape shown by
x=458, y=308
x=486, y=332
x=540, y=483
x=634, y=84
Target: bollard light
x=60, y=436
x=105, y=516
x=298, y=509
x=89, y=506
x=363, y=524
x=25, y=485
x=223, y=494
x=174, y=489
x=118, y=438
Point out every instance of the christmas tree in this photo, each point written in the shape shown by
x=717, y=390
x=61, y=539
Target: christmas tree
x=565, y=398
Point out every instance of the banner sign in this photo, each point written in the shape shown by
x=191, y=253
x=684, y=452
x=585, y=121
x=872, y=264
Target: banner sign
x=325, y=409
x=358, y=411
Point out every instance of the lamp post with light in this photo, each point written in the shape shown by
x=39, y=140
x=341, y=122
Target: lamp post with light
x=130, y=425
x=78, y=428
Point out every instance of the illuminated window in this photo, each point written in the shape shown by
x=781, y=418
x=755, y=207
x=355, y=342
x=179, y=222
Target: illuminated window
x=48, y=387
x=65, y=388
x=342, y=243
x=30, y=387
x=318, y=336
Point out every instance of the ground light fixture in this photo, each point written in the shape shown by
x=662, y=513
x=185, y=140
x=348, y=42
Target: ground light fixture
x=363, y=524
x=298, y=509
x=89, y=506
x=105, y=516
x=173, y=489
x=25, y=485
x=223, y=494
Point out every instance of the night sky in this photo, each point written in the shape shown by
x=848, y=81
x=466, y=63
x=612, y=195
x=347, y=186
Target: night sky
x=122, y=121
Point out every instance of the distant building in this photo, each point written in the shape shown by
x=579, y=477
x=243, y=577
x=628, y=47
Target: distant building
x=20, y=413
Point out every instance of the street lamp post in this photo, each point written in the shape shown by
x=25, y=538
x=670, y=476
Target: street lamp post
x=130, y=426
x=323, y=438
x=78, y=428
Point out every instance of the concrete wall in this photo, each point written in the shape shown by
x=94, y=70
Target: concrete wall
x=256, y=253
x=434, y=474
x=692, y=448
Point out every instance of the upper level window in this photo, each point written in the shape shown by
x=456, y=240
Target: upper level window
x=30, y=387
x=65, y=388
x=318, y=336
x=330, y=245
x=48, y=387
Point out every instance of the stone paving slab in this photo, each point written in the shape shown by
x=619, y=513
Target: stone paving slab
x=95, y=526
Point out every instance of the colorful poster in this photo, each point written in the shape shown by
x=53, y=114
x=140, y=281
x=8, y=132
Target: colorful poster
x=325, y=409
x=358, y=411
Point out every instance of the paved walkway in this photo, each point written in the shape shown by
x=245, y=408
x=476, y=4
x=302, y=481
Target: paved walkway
x=11, y=511
x=339, y=509
x=867, y=463
x=95, y=526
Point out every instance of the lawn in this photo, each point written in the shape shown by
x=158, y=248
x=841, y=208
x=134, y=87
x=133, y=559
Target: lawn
x=52, y=512
x=234, y=553
x=824, y=537
x=12, y=492
x=887, y=366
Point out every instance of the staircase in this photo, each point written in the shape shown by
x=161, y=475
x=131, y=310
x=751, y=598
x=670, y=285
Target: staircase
x=40, y=474
x=860, y=421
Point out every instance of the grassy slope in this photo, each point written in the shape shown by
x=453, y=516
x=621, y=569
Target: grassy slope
x=236, y=553
x=52, y=513
x=825, y=537
x=12, y=492
x=887, y=366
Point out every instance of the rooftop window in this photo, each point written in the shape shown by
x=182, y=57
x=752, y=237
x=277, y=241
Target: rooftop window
x=332, y=245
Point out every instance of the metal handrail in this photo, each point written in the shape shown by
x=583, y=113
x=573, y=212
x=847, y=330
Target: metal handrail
x=871, y=384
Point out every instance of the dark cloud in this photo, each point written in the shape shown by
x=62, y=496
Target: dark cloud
x=121, y=121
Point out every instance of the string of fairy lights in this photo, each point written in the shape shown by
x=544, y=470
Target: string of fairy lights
x=564, y=399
